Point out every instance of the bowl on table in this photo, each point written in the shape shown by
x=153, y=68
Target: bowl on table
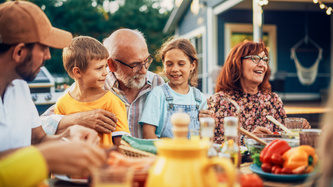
x=309, y=137
x=255, y=147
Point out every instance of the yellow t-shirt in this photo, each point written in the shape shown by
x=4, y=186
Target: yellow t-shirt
x=24, y=167
x=110, y=102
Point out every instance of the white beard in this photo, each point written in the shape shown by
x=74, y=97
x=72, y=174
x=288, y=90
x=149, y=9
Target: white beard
x=136, y=82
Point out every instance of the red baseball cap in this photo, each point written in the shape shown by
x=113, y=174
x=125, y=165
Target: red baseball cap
x=25, y=22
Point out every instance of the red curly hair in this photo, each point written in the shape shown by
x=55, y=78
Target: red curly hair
x=231, y=72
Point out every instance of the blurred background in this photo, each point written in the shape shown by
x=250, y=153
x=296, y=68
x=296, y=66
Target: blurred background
x=99, y=18
x=295, y=31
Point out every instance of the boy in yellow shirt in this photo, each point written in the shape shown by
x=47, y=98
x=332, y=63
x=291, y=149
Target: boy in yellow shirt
x=85, y=60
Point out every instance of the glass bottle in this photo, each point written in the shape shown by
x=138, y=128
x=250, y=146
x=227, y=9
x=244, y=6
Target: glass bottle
x=207, y=126
x=230, y=148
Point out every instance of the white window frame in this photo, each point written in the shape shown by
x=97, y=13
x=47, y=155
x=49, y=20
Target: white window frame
x=229, y=28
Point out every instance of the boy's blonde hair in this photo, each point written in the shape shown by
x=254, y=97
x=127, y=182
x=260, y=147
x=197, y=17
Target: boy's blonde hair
x=186, y=46
x=81, y=51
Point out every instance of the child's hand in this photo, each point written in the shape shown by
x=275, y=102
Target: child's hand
x=205, y=113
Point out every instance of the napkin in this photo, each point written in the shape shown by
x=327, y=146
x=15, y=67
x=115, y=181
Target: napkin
x=141, y=144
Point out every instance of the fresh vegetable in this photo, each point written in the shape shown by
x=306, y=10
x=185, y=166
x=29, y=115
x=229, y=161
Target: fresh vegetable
x=274, y=168
x=266, y=167
x=277, y=171
x=300, y=159
x=251, y=180
x=277, y=159
x=277, y=146
x=286, y=171
x=299, y=170
x=256, y=159
x=276, y=133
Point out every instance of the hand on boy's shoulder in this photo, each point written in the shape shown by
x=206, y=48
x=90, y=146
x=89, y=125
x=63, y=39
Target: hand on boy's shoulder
x=101, y=120
x=205, y=113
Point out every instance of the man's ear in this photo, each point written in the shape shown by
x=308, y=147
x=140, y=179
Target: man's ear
x=112, y=66
x=77, y=72
x=19, y=52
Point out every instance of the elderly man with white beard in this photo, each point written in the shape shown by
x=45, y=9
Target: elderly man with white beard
x=128, y=78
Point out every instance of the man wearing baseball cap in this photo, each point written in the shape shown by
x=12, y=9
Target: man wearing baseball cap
x=25, y=37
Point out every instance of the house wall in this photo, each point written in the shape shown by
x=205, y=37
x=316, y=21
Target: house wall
x=190, y=21
x=290, y=30
x=212, y=3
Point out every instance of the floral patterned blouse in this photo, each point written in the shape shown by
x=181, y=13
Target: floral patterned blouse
x=253, y=111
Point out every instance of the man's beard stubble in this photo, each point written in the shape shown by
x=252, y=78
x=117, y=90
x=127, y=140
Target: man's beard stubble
x=25, y=71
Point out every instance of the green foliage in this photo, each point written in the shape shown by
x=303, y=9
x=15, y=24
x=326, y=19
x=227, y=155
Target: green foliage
x=149, y=21
x=88, y=17
x=256, y=159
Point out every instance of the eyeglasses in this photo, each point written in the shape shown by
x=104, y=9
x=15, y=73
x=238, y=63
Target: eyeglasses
x=138, y=66
x=256, y=59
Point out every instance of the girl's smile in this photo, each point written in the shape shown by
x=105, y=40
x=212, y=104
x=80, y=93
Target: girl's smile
x=178, y=69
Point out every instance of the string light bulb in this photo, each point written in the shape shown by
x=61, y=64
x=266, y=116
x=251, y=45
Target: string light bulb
x=328, y=9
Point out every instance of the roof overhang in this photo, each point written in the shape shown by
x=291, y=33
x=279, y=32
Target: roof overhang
x=178, y=12
x=176, y=15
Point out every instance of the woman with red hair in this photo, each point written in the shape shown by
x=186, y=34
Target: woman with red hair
x=244, y=78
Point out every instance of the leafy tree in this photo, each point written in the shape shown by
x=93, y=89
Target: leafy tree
x=141, y=15
x=88, y=17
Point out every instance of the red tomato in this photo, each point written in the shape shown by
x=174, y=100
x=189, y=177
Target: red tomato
x=276, y=133
x=274, y=168
x=266, y=167
x=277, y=159
x=277, y=171
x=251, y=180
x=286, y=171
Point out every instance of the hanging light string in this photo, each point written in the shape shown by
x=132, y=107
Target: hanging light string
x=323, y=6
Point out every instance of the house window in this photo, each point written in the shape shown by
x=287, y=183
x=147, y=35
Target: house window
x=197, y=43
x=198, y=40
x=236, y=33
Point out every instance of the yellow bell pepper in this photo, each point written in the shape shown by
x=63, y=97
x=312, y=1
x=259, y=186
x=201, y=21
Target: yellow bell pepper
x=304, y=157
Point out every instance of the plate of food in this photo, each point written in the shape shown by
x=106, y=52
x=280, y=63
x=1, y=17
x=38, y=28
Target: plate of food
x=279, y=177
x=70, y=179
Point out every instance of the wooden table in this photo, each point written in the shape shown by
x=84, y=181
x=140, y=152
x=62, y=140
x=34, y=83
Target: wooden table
x=245, y=170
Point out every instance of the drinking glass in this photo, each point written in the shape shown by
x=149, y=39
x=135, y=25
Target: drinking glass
x=309, y=137
x=195, y=134
x=294, y=124
x=112, y=177
x=207, y=126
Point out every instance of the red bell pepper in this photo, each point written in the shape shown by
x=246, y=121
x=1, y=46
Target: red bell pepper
x=275, y=147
